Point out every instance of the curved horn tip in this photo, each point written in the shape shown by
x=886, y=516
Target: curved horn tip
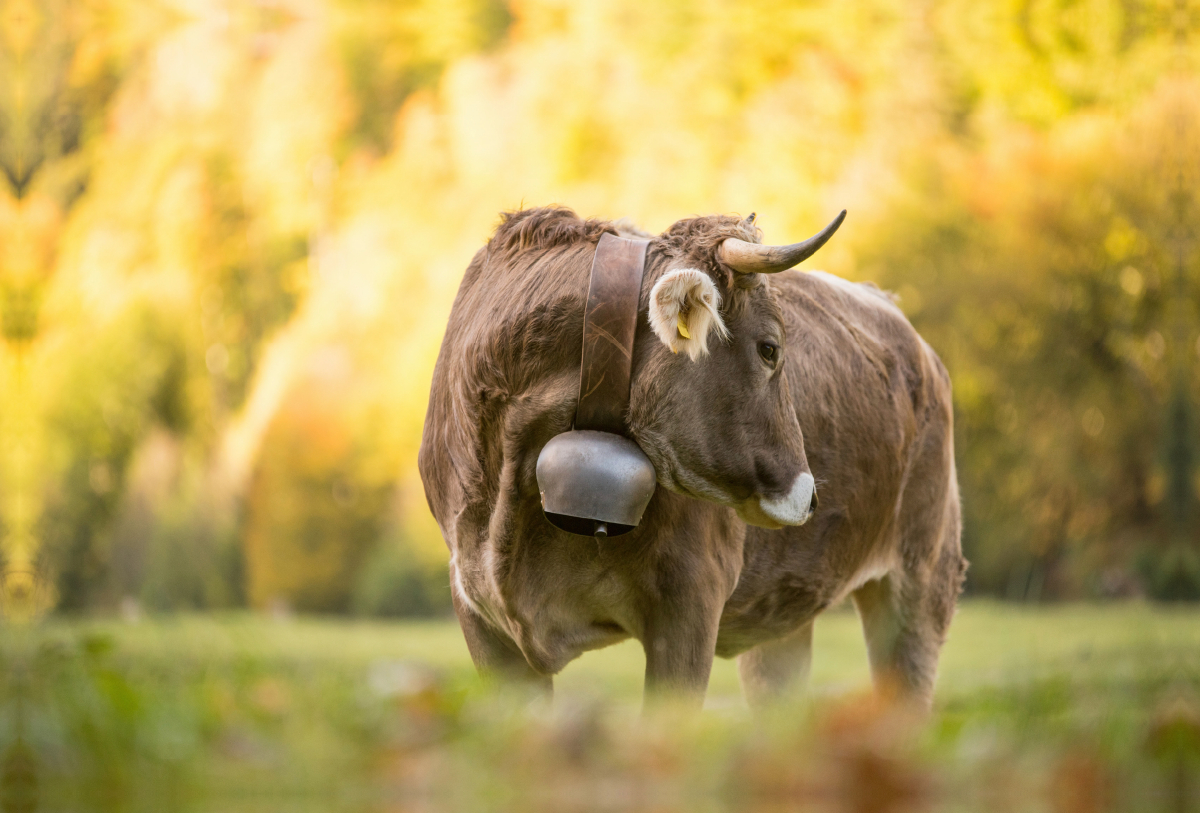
x=749, y=221
x=750, y=258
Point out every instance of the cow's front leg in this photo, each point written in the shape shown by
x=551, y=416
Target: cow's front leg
x=680, y=641
x=497, y=657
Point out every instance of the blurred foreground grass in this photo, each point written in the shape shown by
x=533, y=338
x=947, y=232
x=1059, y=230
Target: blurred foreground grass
x=1067, y=708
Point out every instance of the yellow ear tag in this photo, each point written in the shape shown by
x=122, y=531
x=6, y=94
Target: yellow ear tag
x=683, y=331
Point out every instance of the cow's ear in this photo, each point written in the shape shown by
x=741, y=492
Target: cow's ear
x=683, y=311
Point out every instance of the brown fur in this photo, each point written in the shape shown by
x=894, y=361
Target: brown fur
x=857, y=396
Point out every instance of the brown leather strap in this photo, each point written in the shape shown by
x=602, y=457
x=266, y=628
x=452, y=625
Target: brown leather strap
x=609, y=323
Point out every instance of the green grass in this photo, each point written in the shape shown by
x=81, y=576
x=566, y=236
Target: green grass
x=240, y=711
x=991, y=644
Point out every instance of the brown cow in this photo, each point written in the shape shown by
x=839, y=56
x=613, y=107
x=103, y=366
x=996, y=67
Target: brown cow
x=726, y=560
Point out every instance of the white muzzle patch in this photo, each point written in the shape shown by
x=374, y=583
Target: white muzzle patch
x=795, y=507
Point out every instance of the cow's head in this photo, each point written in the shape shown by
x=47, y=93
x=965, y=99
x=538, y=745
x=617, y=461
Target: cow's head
x=710, y=403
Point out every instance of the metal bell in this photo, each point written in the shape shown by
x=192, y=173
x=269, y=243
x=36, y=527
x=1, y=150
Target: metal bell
x=594, y=483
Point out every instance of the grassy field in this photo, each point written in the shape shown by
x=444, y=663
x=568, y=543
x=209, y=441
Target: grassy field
x=1071, y=708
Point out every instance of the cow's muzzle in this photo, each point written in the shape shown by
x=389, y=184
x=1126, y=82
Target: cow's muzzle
x=793, y=508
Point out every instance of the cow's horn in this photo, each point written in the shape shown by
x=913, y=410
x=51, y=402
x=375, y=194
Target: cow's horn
x=751, y=258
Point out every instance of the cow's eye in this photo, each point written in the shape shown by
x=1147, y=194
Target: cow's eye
x=769, y=352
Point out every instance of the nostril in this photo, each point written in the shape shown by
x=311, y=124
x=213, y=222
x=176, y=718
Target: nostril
x=815, y=502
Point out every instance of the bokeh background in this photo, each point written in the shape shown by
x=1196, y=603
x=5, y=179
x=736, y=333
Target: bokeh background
x=230, y=235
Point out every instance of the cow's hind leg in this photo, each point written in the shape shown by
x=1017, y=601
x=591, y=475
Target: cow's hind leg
x=905, y=618
x=777, y=670
x=496, y=657
x=906, y=614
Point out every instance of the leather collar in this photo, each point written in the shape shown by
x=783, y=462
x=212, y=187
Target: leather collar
x=609, y=325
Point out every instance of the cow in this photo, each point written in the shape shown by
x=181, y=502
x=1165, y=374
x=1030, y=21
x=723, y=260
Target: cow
x=802, y=439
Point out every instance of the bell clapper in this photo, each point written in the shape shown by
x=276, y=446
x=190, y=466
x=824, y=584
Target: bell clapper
x=601, y=530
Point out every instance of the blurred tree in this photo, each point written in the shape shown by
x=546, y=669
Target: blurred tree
x=1044, y=274
x=313, y=517
x=129, y=379
x=391, y=50
x=395, y=582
